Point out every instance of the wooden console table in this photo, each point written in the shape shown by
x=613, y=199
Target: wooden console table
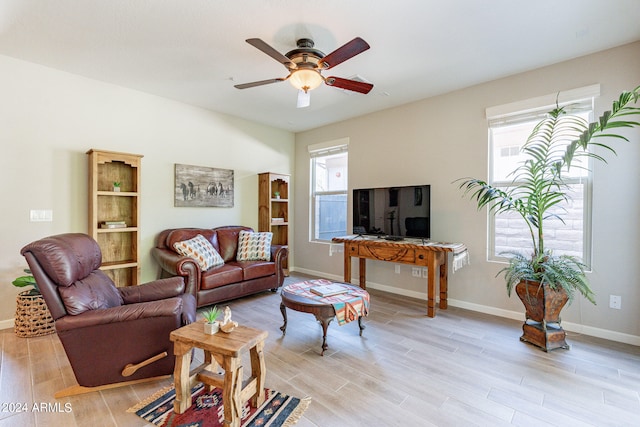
x=432, y=255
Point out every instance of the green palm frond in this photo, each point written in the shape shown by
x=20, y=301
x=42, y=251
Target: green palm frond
x=563, y=271
x=538, y=190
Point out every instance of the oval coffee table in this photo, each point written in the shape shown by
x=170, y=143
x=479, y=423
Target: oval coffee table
x=324, y=312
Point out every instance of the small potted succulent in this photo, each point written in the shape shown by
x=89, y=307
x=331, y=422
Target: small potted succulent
x=116, y=186
x=211, y=326
x=277, y=194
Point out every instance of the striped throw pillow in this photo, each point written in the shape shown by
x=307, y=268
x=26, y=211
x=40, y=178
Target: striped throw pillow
x=254, y=246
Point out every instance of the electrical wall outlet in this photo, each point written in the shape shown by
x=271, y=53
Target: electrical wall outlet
x=615, y=301
x=425, y=272
x=397, y=268
x=416, y=271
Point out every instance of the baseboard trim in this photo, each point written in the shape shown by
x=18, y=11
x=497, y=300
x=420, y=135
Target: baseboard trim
x=568, y=326
x=6, y=324
x=602, y=333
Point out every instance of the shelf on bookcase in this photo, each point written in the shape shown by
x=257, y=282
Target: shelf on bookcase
x=117, y=193
x=117, y=230
x=118, y=264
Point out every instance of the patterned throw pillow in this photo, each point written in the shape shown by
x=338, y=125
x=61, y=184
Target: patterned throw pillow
x=201, y=250
x=254, y=246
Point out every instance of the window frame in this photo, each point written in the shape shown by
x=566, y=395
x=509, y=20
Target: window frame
x=531, y=111
x=322, y=151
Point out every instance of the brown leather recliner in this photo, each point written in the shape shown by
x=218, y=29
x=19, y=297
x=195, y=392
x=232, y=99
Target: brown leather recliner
x=111, y=335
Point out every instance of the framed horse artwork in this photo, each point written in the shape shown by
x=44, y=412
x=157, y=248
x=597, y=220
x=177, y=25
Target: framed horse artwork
x=201, y=186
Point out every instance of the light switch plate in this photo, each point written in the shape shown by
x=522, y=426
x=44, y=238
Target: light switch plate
x=41, y=215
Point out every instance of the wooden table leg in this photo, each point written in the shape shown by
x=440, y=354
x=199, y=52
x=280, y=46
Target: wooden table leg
x=324, y=321
x=431, y=285
x=181, y=377
x=443, y=280
x=283, y=310
x=231, y=391
x=363, y=272
x=347, y=266
x=211, y=365
x=360, y=325
x=258, y=371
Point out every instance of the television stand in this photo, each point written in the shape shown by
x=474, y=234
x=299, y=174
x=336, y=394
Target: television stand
x=432, y=255
x=394, y=238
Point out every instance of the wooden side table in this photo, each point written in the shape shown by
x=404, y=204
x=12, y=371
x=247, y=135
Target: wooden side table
x=220, y=350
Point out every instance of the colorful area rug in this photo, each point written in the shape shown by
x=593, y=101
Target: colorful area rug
x=206, y=409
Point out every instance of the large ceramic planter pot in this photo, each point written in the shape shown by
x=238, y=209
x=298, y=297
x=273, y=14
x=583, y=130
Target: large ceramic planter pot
x=543, y=305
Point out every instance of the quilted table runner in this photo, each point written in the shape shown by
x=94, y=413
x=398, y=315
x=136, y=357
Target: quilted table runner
x=348, y=305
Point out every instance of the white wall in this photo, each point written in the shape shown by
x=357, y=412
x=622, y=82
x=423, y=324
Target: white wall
x=48, y=121
x=438, y=140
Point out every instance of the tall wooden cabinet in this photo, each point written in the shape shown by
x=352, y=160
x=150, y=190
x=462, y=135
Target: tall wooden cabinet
x=114, y=213
x=273, y=206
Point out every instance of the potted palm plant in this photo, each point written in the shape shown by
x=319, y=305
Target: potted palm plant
x=545, y=281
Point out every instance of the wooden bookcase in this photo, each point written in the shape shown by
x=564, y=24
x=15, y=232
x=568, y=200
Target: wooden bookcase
x=120, y=245
x=273, y=206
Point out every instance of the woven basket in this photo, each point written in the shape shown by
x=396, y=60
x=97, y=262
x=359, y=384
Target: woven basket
x=33, y=318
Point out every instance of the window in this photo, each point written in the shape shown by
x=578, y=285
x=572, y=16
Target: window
x=328, y=191
x=507, y=133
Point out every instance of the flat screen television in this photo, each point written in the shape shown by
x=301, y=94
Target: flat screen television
x=393, y=212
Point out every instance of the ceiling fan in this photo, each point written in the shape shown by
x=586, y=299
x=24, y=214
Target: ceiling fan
x=305, y=65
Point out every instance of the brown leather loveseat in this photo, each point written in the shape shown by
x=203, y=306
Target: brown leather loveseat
x=233, y=279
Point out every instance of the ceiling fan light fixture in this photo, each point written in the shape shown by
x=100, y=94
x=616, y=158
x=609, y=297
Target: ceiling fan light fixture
x=305, y=65
x=305, y=79
x=304, y=99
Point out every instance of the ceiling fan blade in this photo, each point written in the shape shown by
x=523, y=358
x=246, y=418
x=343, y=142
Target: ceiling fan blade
x=304, y=99
x=345, y=52
x=260, y=83
x=347, y=84
x=264, y=47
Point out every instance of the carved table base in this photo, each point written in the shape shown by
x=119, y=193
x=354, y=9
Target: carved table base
x=324, y=313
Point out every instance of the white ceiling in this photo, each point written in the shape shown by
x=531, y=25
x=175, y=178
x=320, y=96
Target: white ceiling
x=194, y=51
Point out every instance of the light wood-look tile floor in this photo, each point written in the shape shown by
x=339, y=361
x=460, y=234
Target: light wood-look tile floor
x=459, y=369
